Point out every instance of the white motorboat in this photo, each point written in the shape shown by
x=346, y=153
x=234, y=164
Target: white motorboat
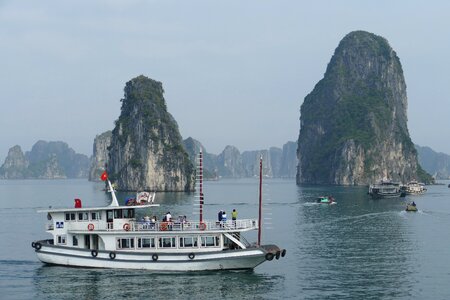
x=111, y=237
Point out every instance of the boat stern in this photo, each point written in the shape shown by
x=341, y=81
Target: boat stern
x=273, y=251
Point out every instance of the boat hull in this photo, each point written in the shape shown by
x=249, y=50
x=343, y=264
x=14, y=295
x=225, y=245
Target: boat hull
x=385, y=195
x=411, y=208
x=162, y=262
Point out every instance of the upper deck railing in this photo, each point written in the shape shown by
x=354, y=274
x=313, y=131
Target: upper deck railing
x=195, y=226
x=120, y=225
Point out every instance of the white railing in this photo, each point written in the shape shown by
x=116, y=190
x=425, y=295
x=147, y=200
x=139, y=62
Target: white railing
x=189, y=226
x=131, y=225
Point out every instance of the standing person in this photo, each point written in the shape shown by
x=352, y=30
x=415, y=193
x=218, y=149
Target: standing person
x=219, y=216
x=224, y=216
x=234, y=217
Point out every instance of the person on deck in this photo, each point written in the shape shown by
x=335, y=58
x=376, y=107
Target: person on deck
x=224, y=216
x=234, y=217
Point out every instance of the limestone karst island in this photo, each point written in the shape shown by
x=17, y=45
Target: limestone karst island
x=354, y=123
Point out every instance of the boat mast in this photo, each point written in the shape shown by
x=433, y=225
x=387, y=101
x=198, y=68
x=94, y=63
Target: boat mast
x=260, y=200
x=114, y=201
x=200, y=158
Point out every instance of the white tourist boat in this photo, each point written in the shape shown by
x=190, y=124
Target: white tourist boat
x=385, y=189
x=414, y=188
x=111, y=237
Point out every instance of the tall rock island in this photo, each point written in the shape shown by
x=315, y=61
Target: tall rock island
x=353, y=125
x=146, y=151
x=100, y=157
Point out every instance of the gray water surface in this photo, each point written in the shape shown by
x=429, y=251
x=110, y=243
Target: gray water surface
x=357, y=249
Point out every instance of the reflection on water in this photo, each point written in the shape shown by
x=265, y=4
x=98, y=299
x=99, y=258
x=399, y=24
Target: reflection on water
x=53, y=282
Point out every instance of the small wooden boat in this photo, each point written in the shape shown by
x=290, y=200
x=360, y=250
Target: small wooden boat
x=411, y=207
x=326, y=200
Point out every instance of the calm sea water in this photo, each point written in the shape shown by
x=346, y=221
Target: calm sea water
x=357, y=249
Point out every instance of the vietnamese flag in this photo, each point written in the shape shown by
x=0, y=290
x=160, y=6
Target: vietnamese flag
x=104, y=176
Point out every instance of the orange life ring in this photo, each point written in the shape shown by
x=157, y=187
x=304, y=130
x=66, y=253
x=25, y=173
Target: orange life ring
x=126, y=227
x=202, y=226
x=90, y=227
x=163, y=226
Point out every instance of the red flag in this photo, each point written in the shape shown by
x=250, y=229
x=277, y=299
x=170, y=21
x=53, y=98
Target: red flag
x=104, y=176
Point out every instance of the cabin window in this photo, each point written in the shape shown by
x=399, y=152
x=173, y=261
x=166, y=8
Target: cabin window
x=128, y=213
x=146, y=243
x=117, y=214
x=74, y=241
x=96, y=216
x=167, y=242
x=70, y=216
x=83, y=216
x=188, y=242
x=61, y=239
x=210, y=241
x=127, y=243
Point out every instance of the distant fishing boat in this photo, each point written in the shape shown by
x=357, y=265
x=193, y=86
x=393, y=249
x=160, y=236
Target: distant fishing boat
x=411, y=207
x=326, y=200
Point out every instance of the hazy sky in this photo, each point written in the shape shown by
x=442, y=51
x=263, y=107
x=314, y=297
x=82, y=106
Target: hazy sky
x=234, y=72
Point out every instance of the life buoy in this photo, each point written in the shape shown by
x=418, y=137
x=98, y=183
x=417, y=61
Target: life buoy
x=90, y=226
x=191, y=255
x=94, y=253
x=163, y=226
x=269, y=256
x=126, y=227
x=112, y=255
x=202, y=226
x=37, y=246
x=33, y=244
x=155, y=257
x=283, y=253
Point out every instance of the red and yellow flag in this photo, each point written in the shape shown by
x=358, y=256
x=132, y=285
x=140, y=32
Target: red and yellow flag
x=104, y=176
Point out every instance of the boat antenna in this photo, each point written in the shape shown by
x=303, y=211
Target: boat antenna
x=200, y=159
x=260, y=200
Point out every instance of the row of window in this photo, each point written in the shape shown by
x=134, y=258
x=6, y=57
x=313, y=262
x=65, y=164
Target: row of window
x=83, y=216
x=167, y=242
x=150, y=242
x=62, y=240
x=127, y=213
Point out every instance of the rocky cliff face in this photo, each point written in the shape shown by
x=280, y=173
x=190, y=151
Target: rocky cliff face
x=435, y=163
x=193, y=147
x=100, y=157
x=146, y=149
x=229, y=163
x=46, y=160
x=354, y=123
x=233, y=164
x=15, y=165
x=289, y=162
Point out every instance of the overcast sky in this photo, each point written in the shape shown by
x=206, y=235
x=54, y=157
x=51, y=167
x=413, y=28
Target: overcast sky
x=234, y=72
